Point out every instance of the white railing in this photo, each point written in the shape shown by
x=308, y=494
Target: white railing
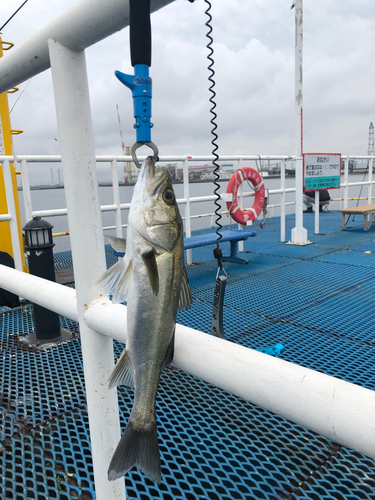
x=187, y=200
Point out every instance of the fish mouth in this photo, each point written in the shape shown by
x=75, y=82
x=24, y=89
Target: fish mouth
x=147, y=172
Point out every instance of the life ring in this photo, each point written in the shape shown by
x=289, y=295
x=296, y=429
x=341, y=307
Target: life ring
x=252, y=175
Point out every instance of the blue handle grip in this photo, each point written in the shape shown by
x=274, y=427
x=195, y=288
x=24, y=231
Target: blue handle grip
x=273, y=350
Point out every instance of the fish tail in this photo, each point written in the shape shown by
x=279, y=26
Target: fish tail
x=137, y=447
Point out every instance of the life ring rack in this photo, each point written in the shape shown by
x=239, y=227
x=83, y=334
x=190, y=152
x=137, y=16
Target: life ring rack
x=252, y=175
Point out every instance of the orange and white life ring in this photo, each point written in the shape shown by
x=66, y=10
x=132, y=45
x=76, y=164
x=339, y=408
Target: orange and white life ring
x=252, y=175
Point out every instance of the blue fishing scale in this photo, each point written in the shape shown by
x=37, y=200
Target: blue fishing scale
x=140, y=83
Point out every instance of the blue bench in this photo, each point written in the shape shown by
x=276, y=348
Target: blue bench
x=232, y=235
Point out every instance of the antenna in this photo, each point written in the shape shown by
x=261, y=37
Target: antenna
x=370, y=149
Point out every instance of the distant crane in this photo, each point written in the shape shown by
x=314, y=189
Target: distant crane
x=128, y=171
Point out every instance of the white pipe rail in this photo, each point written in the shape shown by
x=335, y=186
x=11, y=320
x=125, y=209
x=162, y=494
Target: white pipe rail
x=58, y=298
x=338, y=410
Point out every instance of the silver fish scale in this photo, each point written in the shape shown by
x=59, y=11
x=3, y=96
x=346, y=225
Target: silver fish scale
x=151, y=323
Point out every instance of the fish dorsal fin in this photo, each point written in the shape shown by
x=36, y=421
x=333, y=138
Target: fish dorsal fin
x=115, y=281
x=152, y=270
x=118, y=244
x=186, y=297
x=122, y=373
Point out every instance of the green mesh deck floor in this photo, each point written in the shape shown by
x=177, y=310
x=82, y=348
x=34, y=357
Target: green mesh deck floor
x=317, y=300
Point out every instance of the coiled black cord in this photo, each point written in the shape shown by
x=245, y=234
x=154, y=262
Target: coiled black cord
x=217, y=251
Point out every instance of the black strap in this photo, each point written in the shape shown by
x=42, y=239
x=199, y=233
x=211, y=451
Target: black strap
x=140, y=32
x=217, y=327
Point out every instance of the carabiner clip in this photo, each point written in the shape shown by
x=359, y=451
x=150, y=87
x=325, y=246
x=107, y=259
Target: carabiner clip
x=137, y=145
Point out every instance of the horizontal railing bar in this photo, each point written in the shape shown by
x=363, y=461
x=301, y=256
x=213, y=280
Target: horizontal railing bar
x=122, y=158
x=5, y=217
x=50, y=213
x=58, y=298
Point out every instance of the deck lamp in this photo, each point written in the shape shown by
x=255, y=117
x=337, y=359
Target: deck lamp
x=38, y=234
x=38, y=246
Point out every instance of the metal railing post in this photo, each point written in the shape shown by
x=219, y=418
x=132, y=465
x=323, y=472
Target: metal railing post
x=116, y=198
x=13, y=217
x=26, y=190
x=70, y=85
x=282, y=201
x=369, y=192
x=240, y=195
x=346, y=181
x=185, y=174
x=317, y=209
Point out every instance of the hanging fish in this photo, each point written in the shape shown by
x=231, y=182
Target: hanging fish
x=152, y=279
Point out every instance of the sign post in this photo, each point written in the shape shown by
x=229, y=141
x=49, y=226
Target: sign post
x=320, y=172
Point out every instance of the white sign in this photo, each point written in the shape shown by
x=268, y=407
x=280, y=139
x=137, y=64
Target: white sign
x=321, y=171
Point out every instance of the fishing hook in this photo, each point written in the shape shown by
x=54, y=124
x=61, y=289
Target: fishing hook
x=137, y=145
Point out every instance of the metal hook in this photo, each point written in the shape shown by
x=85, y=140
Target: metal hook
x=218, y=272
x=137, y=145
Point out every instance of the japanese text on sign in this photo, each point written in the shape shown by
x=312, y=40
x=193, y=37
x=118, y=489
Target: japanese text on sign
x=321, y=171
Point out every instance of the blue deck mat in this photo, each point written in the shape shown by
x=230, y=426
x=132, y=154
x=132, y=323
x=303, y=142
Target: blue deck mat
x=317, y=300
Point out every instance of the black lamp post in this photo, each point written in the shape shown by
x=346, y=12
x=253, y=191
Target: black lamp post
x=38, y=245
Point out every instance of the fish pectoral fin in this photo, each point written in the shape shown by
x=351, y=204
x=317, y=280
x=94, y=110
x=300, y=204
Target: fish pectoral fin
x=170, y=352
x=115, y=281
x=122, y=373
x=186, y=297
x=122, y=289
x=118, y=244
x=152, y=270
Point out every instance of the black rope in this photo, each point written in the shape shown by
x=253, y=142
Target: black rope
x=217, y=251
x=14, y=13
x=18, y=98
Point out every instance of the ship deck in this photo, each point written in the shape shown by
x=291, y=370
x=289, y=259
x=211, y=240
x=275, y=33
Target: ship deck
x=317, y=300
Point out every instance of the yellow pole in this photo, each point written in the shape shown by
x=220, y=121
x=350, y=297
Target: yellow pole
x=6, y=149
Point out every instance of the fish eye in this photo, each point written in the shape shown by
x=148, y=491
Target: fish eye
x=168, y=196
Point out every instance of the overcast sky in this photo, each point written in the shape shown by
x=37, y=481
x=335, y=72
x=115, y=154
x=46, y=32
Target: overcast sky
x=254, y=64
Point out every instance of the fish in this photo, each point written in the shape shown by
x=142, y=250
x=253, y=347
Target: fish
x=153, y=281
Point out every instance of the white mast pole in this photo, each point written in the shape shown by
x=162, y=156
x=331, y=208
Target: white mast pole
x=70, y=85
x=299, y=233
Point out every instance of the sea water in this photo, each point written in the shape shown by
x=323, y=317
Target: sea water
x=47, y=199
